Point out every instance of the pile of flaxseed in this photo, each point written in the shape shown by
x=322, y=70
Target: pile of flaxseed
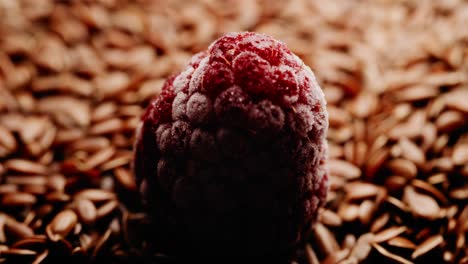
x=76, y=75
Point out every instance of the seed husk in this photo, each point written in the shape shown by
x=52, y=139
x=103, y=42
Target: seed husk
x=325, y=239
x=18, y=199
x=25, y=166
x=401, y=242
x=95, y=195
x=403, y=167
x=362, y=247
x=311, y=256
x=390, y=255
x=329, y=218
x=125, y=178
x=19, y=229
x=389, y=233
x=86, y=211
x=361, y=190
x=421, y=205
x=343, y=169
x=62, y=224
x=106, y=209
x=426, y=246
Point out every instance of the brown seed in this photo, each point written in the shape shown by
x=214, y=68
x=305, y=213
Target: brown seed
x=348, y=212
x=32, y=128
x=348, y=151
x=17, y=252
x=375, y=162
x=25, y=166
x=334, y=151
x=360, y=190
x=20, y=230
x=310, y=255
x=364, y=105
x=449, y=120
x=362, y=247
x=411, y=151
x=41, y=257
x=428, y=245
x=325, y=239
x=125, y=178
x=72, y=110
x=111, y=84
x=421, y=205
x=86, y=211
x=95, y=195
x=390, y=255
x=360, y=152
x=343, y=169
x=395, y=183
x=440, y=143
x=106, y=209
x=380, y=222
x=389, y=233
x=349, y=241
x=366, y=211
x=31, y=242
x=336, y=257
x=456, y=99
x=437, y=178
x=401, y=242
x=68, y=135
x=337, y=117
x=8, y=188
x=24, y=180
x=460, y=154
x=102, y=241
x=3, y=238
x=417, y=93
x=403, y=167
x=460, y=193
x=397, y=203
x=91, y=144
x=98, y=158
x=443, y=164
x=106, y=127
x=86, y=241
x=118, y=161
x=59, y=197
x=103, y=111
x=422, y=185
x=62, y=224
x=329, y=218
x=7, y=139
x=18, y=199
x=56, y=182
x=429, y=136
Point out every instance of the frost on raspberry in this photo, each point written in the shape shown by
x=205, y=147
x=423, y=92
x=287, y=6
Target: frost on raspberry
x=231, y=156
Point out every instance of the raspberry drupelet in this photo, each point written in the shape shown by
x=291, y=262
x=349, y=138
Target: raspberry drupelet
x=230, y=157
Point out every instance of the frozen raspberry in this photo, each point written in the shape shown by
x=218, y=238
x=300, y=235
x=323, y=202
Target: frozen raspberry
x=230, y=158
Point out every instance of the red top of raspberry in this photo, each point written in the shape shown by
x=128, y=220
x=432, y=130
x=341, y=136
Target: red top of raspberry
x=232, y=152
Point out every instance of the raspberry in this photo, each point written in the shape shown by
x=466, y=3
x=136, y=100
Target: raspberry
x=230, y=158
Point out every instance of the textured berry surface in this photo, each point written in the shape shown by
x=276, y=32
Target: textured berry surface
x=230, y=157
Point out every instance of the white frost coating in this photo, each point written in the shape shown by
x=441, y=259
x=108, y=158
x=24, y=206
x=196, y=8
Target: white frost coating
x=197, y=76
x=296, y=59
x=179, y=106
x=263, y=43
x=199, y=108
x=182, y=80
x=163, y=137
x=303, y=119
